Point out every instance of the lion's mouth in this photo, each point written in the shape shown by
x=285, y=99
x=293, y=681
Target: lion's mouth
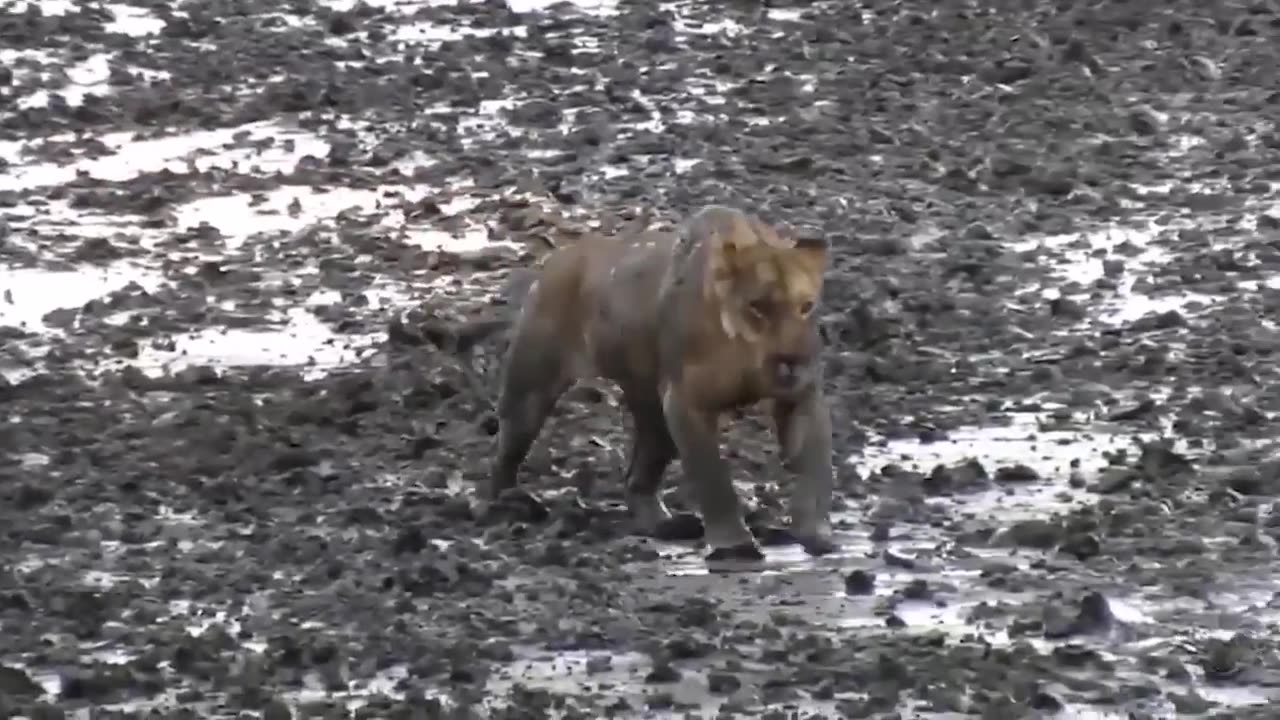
x=791, y=376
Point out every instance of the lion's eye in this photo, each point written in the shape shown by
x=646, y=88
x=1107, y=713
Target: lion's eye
x=759, y=308
x=806, y=308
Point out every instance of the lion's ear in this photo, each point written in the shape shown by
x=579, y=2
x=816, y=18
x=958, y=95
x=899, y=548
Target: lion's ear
x=722, y=228
x=730, y=254
x=731, y=244
x=811, y=254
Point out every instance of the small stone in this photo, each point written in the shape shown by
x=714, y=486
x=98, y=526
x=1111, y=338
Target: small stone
x=597, y=664
x=1066, y=308
x=663, y=672
x=1034, y=533
x=1190, y=703
x=410, y=540
x=978, y=231
x=276, y=709
x=1083, y=546
x=917, y=589
x=723, y=683
x=860, y=582
x=1046, y=701
x=15, y=682
x=1145, y=121
x=1017, y=473
x=1114, y=479
x=893, y=559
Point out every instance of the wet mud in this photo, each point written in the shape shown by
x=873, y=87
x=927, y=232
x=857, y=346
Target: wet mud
x=252, y=260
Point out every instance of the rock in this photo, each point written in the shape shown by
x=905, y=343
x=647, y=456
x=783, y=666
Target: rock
x=1039, y=534
x=16, y=683
x=860, y=582
x=1016, y=473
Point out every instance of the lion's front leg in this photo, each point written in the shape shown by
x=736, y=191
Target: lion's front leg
x=707, y=479
x=652, y=451
x=803, y=427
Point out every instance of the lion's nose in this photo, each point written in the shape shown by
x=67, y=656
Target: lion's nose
x=789, y=371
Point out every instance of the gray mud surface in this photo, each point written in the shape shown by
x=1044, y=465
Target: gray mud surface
x=251, y=260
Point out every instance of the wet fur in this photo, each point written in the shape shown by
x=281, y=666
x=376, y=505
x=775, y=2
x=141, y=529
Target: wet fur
x=690, y=325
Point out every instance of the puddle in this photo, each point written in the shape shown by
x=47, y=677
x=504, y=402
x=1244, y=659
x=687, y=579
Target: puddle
x=814, y=587
x=87, y=77
x=128, y=19
x=1090, y=257
x=300, y=340
x=30, y=294
x=303, y=342
x=133, y=21
x=264, y=145
x=434, y=32
x=1057, y=456
x=91, y=75
x=1119, y=273
x=1114, y=259
x=592, y=7
x=601, y=675
x=290, y=208
x=1049, y=452
x=609, y=674
x=47, y=7
x=431, y=32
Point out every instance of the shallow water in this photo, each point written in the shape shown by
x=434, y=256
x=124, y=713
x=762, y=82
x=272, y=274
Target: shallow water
x=87, y=77
x=1021, y=440
x=1112, y=261
x=303, y=341
x=264, y=145
x=30, y=294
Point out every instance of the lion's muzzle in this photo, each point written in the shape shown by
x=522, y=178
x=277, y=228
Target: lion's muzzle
x=792, y=374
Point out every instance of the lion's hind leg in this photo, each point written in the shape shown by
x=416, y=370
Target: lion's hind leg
x=537, y=371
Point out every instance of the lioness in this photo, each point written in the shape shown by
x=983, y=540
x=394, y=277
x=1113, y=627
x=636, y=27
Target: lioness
x=690, y=325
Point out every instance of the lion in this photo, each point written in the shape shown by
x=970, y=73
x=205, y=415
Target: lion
x=690, y=325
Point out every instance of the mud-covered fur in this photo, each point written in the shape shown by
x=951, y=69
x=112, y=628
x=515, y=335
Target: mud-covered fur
x=690, y=325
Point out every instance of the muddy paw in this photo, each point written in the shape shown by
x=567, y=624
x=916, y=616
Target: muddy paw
x=680, y=527
x=773, y=535
x=745, y=552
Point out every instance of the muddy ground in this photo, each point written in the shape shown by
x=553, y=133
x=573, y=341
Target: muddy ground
x=251, y=261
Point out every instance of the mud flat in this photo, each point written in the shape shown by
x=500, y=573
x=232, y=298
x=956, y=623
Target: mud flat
x=251, y=255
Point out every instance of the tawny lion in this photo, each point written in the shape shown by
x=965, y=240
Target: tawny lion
x=690, y=325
